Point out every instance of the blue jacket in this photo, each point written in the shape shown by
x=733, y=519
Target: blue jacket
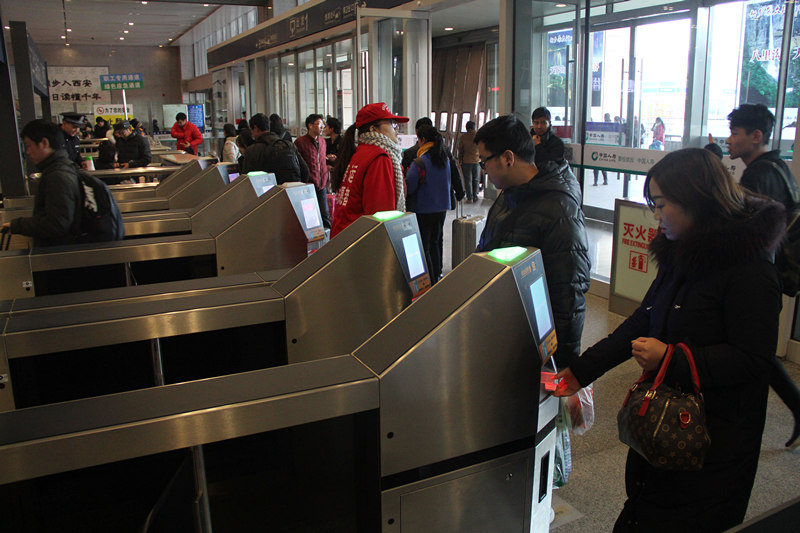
x=428, y=187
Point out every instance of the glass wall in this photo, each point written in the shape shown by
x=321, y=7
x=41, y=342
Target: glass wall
x=288, y=103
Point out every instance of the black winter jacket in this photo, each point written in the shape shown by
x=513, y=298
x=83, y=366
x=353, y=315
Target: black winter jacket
x=762, y=177
x=717, y=291
x=546, y=213
x=134, y=150
x=57, y=207
x=257, y=157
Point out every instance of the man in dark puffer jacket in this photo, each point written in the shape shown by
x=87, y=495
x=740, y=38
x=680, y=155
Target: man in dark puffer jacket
x=133, y=150
x=539, y=207
x=57, y=206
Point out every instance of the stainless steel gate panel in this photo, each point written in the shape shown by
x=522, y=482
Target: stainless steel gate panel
x=57, y=438
x=356, y=278
x=20, y=201
x=459, y=369
x=266, y=236
x=241, y=194
x=10, y=213
x=135, y=293
x=143, y=204
x=40, y=333
x=203, y=186
x=155, y=222
x=15, y=271
x=133, y=191
x=6, y=392
x=117, y=174
x=491, y=496
x=61, y=257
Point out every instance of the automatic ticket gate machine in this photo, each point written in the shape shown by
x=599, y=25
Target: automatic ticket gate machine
x=269, y=235
x=466, y=440
x=125, y=345
x=351, y=287
x=186, y=192
x=243, y=191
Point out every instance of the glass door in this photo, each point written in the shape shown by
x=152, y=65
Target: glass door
x=637, y=101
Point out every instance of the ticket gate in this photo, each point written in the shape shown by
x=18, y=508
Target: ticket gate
x=242, y=192
x=178, y=177
x=297, y=447
x=271, y=234
x=184, y=193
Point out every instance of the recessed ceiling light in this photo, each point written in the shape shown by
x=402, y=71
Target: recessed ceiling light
x=144, y=3
x=69, y=29
x=6, y=27
x=561, y=5
x=205, y=5
x=161, y=46
x=122, y=38
x=169, y=39
x=63, y=36
x=130, y=24
x=448, y=29
x=67, y=44
x=125, y=31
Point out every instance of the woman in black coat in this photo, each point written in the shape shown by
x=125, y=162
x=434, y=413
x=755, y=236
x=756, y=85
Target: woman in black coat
x=718, y=292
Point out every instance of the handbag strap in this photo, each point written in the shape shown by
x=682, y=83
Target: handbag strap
x=693, y=368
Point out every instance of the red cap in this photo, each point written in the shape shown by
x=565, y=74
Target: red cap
x=374, y=112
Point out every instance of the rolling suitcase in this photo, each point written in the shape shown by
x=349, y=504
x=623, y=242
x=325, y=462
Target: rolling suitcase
x=466, y=233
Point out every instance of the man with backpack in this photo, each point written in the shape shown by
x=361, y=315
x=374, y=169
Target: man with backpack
x=70, y=206
x=56, y=212
x=766, y=173
x=270, y=153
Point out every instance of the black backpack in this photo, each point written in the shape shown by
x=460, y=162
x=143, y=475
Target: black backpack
x=788, y=257
x=282, y=160
x=101, y=220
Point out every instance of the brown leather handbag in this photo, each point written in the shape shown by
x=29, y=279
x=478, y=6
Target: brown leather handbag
x=663, y=424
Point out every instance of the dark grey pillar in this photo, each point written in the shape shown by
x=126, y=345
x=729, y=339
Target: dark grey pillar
x=12, y=180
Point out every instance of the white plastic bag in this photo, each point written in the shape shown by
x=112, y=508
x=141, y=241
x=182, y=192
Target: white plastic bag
x=580, y=407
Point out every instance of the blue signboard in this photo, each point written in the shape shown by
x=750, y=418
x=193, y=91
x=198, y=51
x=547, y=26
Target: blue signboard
x=196, y=116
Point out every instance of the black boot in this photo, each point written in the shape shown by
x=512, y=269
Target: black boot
x=788, y=392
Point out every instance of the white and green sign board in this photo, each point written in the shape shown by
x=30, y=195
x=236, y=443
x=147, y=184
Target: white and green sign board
x=121, y=81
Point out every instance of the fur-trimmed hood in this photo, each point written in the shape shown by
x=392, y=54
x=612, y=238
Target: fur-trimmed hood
x=756, y=235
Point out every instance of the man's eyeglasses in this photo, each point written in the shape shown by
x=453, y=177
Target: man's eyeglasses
x=483, y=163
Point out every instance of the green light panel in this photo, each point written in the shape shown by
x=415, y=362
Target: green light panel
x=507, y=254
x=257, y=173
x=383, y=216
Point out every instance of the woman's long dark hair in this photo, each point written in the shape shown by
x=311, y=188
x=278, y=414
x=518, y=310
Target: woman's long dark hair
x=697, y=180
x=229, y=130
x=438, y=152
x=346, y=151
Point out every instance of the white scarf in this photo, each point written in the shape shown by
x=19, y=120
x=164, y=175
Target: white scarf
x=395, y=153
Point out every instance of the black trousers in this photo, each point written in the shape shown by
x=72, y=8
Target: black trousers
x=431, y=229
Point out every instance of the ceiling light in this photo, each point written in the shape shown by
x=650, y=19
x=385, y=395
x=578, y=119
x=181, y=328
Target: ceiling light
x=561, y=5
x=161, y=46
x=448, y=29
x=205, y=5
x=122, y=38
x=130, y=24
x=69, y=29
x=144, y=3
x=67, y=44
x=169, y=39
x=6, y=27
x=63, y=36
x=125, y=31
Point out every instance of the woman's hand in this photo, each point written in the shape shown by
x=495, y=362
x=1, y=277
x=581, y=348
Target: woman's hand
x=648, y=352
x=568, y=385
